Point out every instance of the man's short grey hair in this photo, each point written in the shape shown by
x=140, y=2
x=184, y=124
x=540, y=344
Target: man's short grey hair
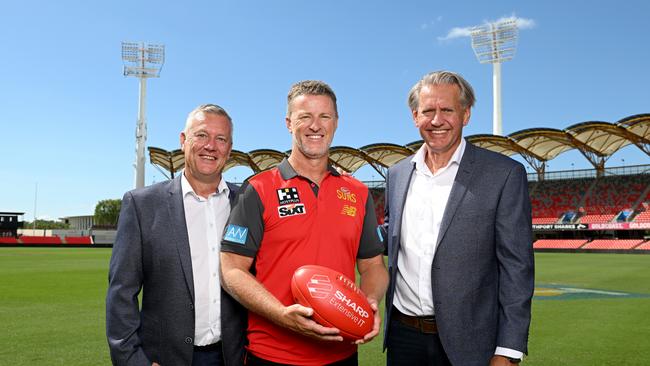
x=310, y=87
x=467, y=98
x=207, y=109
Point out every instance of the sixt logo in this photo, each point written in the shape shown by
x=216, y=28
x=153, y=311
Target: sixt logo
x=351, y=304
x=319, y=286
x=291, y=210
x=344, y=194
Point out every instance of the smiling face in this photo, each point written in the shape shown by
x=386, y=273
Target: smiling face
x=312, y=122
x=440, y=118
x=206, y=143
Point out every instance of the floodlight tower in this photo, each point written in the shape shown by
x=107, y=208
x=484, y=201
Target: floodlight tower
x=495, y=43
x=142, y=61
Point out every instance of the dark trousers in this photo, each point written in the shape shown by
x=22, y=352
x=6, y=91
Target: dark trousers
x=211, y=355
x=408, y=346
x=252, y=360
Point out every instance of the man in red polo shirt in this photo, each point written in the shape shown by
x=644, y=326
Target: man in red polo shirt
x=301, y=212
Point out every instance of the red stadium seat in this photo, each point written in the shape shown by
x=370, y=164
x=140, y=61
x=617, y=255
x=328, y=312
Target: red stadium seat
x=42, y=240
x=596, y=218
x=559, y=243
x=8, y=240
x=644, y=246
x=613, y=244
x=78, y=240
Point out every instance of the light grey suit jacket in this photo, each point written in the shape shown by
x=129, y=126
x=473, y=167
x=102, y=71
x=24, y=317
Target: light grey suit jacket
x=152, y=253
x=482, y=274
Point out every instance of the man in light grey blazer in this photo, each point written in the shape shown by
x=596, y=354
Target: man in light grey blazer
x=167, y=246
x=459, y=241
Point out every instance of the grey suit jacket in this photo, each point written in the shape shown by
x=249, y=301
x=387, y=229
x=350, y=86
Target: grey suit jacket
x=482, y=274
x=152, y=253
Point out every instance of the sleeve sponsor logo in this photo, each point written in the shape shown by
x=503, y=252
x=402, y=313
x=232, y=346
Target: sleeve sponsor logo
x=292, y=210
x=344, y=194
x=349, y=211
x=236, y=234
x=288, y=195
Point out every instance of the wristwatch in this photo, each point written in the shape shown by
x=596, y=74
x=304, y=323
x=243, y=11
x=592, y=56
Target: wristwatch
x=514, y=360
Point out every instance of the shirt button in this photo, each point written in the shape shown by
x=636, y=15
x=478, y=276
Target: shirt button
x=214, y=301
x=188, y=340
x=214, y=274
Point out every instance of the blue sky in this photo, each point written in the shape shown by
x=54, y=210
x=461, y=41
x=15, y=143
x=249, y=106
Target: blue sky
x=67, y=115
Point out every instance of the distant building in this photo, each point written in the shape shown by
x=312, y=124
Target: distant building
x=10, y=222
x=84, y=222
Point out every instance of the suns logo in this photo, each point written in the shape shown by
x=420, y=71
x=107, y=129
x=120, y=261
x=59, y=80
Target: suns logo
x=344, y=194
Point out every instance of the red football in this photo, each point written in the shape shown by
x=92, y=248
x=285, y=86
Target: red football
x=336, y=300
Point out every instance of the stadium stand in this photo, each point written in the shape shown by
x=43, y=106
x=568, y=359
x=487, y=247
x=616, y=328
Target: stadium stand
x=551, y=199
x=78, y=240
x=612, y=194
x=544, y=220
x=378, y=198
x=642, y=217
x=8, y=240
x=596, y=218
x=613, y=244
x=25, y=239
x=559, y=243
x=644, y=246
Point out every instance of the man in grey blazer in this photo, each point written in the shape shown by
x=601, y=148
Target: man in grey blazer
x=167, y=246
x=459, y=241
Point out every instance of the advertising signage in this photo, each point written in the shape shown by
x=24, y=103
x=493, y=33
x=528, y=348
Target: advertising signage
x=599, y=226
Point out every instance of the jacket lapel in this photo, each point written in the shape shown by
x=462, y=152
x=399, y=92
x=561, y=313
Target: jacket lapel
x=179, y=229
x=402, y=182
x=458, y=190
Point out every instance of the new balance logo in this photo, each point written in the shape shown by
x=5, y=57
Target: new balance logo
x=349, y=210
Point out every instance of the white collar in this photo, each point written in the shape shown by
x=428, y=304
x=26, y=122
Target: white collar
x=421, y=166
x=186, y=187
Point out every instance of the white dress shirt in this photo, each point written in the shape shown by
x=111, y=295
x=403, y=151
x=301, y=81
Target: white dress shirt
x=205, y=220
x=425, y=204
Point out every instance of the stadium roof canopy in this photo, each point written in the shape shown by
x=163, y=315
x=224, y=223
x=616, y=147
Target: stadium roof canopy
x=596, y=140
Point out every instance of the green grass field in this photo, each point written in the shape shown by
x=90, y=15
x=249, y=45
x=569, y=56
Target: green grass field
x=52, y=309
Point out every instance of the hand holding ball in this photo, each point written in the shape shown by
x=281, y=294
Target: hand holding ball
x=336, y=300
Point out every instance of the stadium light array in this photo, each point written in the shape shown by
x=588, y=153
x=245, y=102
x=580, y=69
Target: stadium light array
x=495, y=43
x=142, y=61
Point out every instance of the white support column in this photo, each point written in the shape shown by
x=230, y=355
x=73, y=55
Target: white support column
x=140, y=136
x=496, y=90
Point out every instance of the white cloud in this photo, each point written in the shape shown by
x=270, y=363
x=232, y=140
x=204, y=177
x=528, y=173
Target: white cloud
x=457, y=32
x=522, y=23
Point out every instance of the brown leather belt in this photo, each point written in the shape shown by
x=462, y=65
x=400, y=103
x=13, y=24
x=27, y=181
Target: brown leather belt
x=425, y=324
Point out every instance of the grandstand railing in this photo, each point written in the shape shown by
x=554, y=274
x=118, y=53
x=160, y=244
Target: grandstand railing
x=591, y=173
x=561, y=174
